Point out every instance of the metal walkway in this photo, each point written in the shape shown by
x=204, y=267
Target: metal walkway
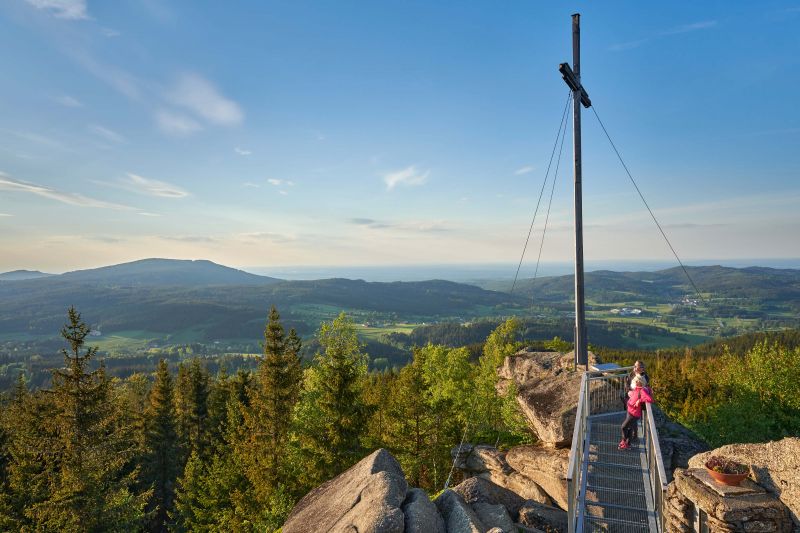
x=613, y=490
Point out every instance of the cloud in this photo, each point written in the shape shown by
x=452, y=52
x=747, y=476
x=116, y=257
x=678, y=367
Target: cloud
x=200, y=97
x=109, y=32
x=106, y=133
x=10, y=184
x=6, y=215
x=187, y=238
x=279, y=183
x=154, y=187
x=242, y=151
x=63, y=9
x=251, y=185
x=523, y=170
x=176, y=124
x=261, y=236
x=67, y=101
x=148, y=214
x=407, y=226
x=408, y=176
x=39, y=139
x=685, y=28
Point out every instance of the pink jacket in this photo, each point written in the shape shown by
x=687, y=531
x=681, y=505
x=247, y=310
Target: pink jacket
x=636, y=398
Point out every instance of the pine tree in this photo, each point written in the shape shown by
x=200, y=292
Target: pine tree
x=160, y=468
x=85, y=448
x=332, y=415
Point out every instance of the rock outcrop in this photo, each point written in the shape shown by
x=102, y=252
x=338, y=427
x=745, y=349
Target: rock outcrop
x=421, y=515
x=543, y=517
x=458, y=516
x=373, y=497
x=490, y=463
x=479, y=490
x=546, y=467
x=773, y=465
x=744, y=509
x=547, y=392
x=365, y=498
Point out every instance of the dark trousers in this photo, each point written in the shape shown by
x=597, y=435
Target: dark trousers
x=629, y=427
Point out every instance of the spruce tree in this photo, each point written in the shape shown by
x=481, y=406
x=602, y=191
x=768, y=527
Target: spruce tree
x=332, y=415
x=262, y=448
x=160, y=468
x=87, y=450
x=192, y=409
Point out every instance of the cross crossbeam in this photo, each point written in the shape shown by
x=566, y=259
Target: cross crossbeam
x=575, y=84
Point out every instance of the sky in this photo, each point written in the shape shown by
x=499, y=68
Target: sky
x=266, y=134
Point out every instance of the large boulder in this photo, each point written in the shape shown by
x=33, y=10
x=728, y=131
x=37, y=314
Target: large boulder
x=494, y=516
x=479, y=490
x=535, y=515
x=366, y=498
x=746, y=508
x=458, y=516
x=421, y=515
x=547, y=467
x=547, y=392
x=773, y=465
x=490, y=463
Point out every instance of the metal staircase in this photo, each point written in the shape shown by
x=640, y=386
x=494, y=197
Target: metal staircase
x=612, y=490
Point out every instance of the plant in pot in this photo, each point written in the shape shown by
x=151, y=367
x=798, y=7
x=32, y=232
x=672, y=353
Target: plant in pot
x=726, y=471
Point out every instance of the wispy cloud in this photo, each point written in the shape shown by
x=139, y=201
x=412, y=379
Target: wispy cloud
x=10, y=184
x=251, y=185
x=409, y=176
x=188, y=238
x=242, y=151
x=106, y=133
x=176, y=124
x=199, y=96
x=152, y=187
x=67, y=101
x=684, y=28
x=109, y=32
x=427, y=226
x=280, y=183
x=64, y=9
x=6, y=215
x=148, y=214
x=38, y=139
x=523, y=170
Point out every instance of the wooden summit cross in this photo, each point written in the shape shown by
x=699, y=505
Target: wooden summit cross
x=572, y=76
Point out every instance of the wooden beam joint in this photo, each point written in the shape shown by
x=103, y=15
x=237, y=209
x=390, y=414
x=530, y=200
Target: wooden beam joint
x=574, y=83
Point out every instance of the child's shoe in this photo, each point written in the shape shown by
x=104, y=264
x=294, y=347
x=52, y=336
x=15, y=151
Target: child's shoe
x=623, y=445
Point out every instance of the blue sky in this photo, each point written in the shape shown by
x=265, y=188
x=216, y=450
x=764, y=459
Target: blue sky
x=368, y=133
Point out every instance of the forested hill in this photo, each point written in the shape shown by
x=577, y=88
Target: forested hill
x=756, y=283
x=164, y=296
x=19, y=275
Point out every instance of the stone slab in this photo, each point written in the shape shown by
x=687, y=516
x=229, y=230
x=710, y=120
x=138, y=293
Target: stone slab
x=746, y=487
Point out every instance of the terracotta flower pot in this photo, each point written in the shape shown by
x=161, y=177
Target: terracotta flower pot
x=727, y=479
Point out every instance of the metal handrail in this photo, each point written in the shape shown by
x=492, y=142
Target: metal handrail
x=573, y=476
x=658, y=475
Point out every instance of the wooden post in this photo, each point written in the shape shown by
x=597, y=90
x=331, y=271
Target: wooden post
x=572, y=76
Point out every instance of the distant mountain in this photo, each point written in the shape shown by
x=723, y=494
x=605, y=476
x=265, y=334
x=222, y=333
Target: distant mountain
x=19, y=275
x=160, y=272
x=760, y=284
x=166, y=296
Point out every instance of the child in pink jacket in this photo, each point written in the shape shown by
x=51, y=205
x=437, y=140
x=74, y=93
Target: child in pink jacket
x=639, y=394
